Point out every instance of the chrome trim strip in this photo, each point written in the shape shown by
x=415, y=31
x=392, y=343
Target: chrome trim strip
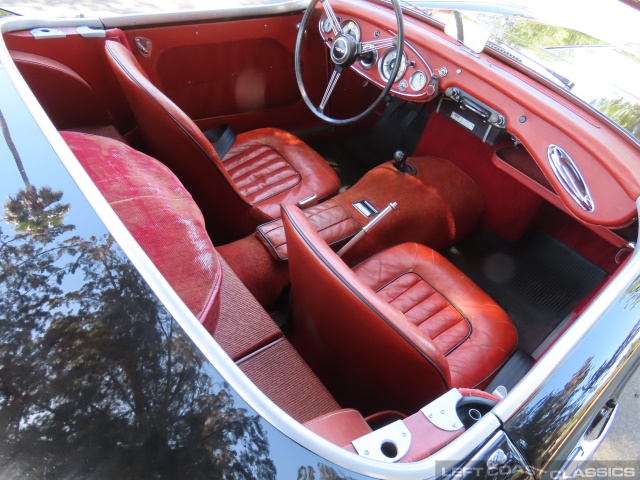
x=11, y=24
x=220, y=13
x=546, y=366
x=457, y=451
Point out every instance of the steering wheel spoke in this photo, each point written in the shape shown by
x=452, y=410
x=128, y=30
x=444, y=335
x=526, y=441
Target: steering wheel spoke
x=335, y=76
x=378, y=44
x=344, y=52
x=328, y=10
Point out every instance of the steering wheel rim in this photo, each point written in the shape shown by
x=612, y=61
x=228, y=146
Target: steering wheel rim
x=319, y=112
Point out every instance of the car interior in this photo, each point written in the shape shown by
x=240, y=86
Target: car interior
x=363, y=275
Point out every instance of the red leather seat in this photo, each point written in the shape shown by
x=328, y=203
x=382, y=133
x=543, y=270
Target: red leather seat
x=397, y=331
x=264, y=168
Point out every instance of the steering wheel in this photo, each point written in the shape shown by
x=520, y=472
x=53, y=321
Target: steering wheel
x=344, y=52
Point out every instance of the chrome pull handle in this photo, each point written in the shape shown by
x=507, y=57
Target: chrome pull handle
x=390, y=208
x=569, y=176
x=585, y=449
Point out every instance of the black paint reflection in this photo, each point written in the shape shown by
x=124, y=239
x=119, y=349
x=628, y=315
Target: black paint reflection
x=96, y=378
x=575, y=393
x=323, y=472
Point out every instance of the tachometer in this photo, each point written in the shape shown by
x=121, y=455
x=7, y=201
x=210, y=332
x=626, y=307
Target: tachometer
x=385, y=66
x=350, y=27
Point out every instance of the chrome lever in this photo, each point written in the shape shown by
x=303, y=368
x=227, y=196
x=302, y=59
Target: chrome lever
x=367, y=228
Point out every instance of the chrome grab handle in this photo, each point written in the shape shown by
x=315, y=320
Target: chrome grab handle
x=570, y=178
x=392, y=206
x=585, y=449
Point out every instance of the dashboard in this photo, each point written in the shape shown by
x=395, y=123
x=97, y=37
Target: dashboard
x=538, y=117
x=415, y=79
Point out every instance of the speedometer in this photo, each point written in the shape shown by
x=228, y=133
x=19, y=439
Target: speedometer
x=387, y=63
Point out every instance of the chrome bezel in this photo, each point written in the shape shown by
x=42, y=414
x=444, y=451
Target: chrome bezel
x=401, y=71
x=321, y=23
x=426, y=81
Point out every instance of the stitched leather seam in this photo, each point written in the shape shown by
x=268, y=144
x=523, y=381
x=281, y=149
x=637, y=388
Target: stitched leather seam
x=335, y=224
x=258, y=149
x=347, y=210
x=246, y=186
x=275, y=249
x=256, y=163
x=364, y=300
x=447, y=299
x=265, y=234
x=286, y=189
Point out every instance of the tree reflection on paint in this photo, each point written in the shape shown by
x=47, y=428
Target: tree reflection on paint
x=624, y=113
x=96, y=378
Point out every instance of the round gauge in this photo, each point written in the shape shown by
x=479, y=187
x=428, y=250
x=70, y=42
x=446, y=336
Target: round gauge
x=351, y=28
x=388, y=62
x=326, y=25
x=418, y=81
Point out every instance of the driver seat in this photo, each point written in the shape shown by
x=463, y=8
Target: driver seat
x=262, y=169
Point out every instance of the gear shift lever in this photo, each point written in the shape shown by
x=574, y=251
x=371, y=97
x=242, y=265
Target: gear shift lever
x=400, y=162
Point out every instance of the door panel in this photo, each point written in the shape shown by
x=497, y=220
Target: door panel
x=238, y=72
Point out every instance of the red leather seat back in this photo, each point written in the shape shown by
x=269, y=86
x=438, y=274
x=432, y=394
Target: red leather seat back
x=174, y=139
x=161, y=216
x=366, y=352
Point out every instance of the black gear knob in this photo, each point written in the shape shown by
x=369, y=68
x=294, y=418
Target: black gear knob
x=400, y=162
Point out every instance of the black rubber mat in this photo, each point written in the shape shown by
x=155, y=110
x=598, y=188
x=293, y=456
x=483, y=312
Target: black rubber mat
x=537, y=281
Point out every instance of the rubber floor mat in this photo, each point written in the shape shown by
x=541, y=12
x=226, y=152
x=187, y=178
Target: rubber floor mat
x=538, y=281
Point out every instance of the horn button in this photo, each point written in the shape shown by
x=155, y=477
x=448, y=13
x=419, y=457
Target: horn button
x=344, y=51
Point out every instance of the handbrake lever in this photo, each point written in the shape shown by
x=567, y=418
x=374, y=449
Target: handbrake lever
x=367, y=228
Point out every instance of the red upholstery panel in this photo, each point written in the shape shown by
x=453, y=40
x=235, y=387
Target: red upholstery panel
x=66, y=97
x=474, y=333
x=366, y=352
x=333, y=222
x=161, y=216
x=340, y=427
x=243, y=325
x=286, y=379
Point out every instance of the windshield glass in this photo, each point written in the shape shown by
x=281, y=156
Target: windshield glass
x=590, y=48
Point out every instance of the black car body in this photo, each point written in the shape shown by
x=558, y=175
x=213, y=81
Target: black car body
x=106, y=373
